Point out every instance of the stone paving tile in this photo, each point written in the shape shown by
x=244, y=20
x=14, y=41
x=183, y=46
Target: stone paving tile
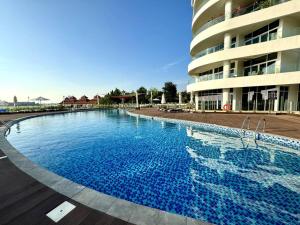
x=165, y=218
x=67, y=187
x=102, y=202
x=85, y=196
x=122, y=209
x=144, y=216
x=191, y=221
x=44, y=176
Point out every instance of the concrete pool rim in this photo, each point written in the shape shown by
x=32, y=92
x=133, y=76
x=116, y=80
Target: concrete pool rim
x=231, y=131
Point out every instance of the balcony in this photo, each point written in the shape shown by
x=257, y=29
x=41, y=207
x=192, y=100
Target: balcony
x=209, y=24
x=203, y=2
x=256, y=6
x=239, y=12
x=213, y=76
x=285, y=78
x=210, y=50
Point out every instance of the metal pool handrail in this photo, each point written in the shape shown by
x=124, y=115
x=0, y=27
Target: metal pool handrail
x=245, y=122
x=258, y=126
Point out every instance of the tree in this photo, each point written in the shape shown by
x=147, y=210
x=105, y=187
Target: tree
x=106, y=100
x=142, y=90
x=115, y=92
x=170, y=91
x=142, y=97
x=15, y=101
x=185, y=97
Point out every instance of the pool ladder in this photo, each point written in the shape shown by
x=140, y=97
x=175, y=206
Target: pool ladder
x=260, y=125
x=6, y=125
x=246, y=123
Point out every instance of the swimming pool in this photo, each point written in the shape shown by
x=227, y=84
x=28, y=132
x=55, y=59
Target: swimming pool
x=174, y=167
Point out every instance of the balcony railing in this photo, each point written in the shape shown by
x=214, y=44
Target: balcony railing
x=256, y=6
x=209, y=51
x=203, y=2
x=209, y=24
x=239, y=12
x=217, y=76
x=212, y=76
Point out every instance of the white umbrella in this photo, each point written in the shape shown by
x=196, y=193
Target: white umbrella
x=180, y=98
x=137, y=99
x=163, y=99
x=40, y=99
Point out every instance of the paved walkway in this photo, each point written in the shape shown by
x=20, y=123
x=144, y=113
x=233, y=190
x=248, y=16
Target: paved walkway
x=285, y=125
x=12, y=116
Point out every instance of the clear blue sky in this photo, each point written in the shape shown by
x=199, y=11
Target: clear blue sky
x=55, y=48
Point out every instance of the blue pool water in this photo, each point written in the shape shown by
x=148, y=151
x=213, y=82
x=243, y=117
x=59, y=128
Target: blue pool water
x=169, y=166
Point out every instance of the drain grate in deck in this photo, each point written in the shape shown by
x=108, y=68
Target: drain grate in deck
x=60, y=211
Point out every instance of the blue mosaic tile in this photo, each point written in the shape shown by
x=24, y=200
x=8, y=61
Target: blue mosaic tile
x=193, y=169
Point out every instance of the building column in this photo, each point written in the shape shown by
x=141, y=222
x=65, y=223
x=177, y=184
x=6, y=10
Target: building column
x=293, y=97
x=237, y=99
x=227, y=41
x=228, y=9
x=276, y=102
x=192, y=98
x=278, y=62
x=225, y=96
x=226, y=69
x=197, y=101
x=240, y=40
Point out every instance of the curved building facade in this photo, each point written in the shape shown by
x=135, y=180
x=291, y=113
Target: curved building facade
x=245, y=55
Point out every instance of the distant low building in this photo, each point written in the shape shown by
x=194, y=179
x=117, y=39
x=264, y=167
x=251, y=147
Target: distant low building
x=4, y=103
x=83, y=101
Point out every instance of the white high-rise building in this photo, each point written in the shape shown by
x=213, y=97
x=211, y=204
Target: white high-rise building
x=245, y=55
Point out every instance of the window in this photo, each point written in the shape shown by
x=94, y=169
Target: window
x=233, y=42
x=271, y=67
x=210, y=50
x=261, y=65
x=232, y=70
x=266, y=33
x=216, y=73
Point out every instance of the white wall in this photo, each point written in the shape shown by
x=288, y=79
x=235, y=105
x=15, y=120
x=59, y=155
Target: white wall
x=290, y=27
x=290, y=61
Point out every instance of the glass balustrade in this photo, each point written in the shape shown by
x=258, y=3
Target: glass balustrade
x=239, y=11
x=210, y=50
x=203, y=2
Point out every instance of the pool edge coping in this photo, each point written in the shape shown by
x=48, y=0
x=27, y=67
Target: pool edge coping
x=116, y=207
x=266, y=137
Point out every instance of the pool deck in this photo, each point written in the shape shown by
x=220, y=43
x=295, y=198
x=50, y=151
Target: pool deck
x=284, y=125
x=28, y=192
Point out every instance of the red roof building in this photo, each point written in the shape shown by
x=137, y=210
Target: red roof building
x=83, y=101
